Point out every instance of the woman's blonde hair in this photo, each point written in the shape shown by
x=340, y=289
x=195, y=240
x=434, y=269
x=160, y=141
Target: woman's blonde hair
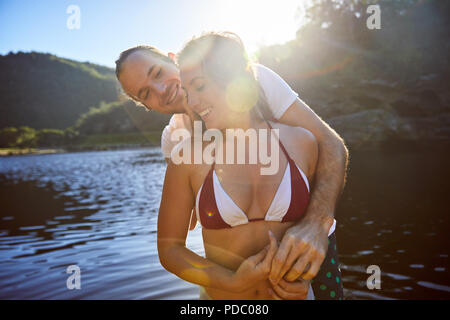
x=223, y=58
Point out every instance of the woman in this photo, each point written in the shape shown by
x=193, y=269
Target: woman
x=237, y=265
x=149, y=77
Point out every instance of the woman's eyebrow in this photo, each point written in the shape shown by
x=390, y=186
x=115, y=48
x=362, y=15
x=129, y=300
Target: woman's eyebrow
x=196, y=78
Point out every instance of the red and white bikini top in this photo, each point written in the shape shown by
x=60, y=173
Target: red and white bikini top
x=216, y=210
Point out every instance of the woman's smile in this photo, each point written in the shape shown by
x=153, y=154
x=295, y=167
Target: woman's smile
x=204, y=114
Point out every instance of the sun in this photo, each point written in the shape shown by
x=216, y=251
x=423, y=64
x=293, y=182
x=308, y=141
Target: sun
x=260, y=22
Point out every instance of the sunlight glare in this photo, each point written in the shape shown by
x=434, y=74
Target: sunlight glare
x=260, y=22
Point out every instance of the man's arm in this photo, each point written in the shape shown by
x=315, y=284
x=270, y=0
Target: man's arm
x=306, y=243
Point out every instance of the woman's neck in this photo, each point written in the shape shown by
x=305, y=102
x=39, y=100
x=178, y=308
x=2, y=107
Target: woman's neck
x=241, y=128
x=244, y=121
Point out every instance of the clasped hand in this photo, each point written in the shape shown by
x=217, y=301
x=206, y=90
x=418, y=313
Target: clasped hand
x=258, y=267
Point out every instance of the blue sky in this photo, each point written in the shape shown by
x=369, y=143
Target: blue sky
x=108, y=27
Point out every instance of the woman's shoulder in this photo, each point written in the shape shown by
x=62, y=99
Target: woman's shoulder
x=295, y=135
x=178, y=121
x=189, y=153
x=301, y=145
x=175, y=131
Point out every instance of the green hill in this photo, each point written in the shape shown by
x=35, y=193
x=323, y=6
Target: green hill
x=44, y=91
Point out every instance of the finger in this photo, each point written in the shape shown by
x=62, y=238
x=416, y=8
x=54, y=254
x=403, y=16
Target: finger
x=313, y=270
x=280, y=258
x=299, y=285
x=274, y=295
x=273, y=246
x=257, y=258
x=284, y=294
x=294, y=255
x=305, y=271
x=298, y=268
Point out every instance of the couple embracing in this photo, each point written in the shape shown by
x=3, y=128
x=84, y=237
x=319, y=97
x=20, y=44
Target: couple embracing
x=266, y=236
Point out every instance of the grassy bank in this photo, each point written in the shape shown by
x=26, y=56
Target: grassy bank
x=118, y=139
x=96, y=142
x=21, y=151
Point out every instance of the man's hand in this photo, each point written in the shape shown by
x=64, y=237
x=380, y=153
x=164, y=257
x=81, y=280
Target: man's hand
x=297, y=290
x=302, y=250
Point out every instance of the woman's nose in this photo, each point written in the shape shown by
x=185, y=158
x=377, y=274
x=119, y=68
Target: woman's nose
x=192, y=101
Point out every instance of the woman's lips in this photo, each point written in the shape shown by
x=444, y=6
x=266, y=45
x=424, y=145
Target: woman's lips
x=204, y=113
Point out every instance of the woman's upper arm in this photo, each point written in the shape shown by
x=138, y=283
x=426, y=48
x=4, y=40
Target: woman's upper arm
x=177, y=201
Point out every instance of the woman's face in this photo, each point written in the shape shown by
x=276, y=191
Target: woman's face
x=206, y=98
x=153, y=81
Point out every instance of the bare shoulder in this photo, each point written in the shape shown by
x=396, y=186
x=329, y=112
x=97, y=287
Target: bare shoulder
x=301, y=144
x=296, y=135
x=182, y=155
x=187, y=157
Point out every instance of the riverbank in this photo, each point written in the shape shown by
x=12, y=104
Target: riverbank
x=24, y=151
x=96, y=142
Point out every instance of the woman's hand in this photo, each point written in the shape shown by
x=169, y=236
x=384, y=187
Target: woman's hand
x=297, y=290
x=255, y=268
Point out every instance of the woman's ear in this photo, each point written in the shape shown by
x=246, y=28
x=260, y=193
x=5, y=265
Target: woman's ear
x=172, y=57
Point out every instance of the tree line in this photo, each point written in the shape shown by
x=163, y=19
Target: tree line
x=48, y=100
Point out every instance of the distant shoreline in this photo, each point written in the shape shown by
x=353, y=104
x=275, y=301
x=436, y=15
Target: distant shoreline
x=98, y=142
x=95, y=144
x=6, y=152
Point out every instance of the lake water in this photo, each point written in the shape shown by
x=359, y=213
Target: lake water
x=98, y=210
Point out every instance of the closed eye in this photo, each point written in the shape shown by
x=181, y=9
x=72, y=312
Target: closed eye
x=159, y=73
x=145, y=95
x=185, y=94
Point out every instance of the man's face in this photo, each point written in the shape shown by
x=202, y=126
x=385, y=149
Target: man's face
x=153, y=81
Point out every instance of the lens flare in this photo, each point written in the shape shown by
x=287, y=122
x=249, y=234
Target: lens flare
x=241, y=94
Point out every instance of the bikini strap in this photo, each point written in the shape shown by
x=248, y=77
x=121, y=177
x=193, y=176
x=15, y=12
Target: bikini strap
x=281, y=144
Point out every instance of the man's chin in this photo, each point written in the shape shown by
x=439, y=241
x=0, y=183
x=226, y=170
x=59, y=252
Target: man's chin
x=178, y=110
x=172, y=110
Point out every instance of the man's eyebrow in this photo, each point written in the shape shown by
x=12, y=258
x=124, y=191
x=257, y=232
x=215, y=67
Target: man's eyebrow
x=150, y=70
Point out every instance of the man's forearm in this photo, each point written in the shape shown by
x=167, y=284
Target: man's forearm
x=313, y=229
x=329, y=179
